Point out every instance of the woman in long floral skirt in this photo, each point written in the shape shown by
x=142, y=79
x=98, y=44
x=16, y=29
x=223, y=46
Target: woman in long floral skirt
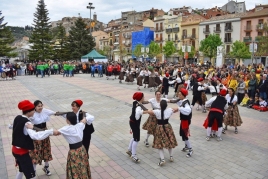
x=164, y=136
x=77, y=166
x=42, y=148
x=233, y=117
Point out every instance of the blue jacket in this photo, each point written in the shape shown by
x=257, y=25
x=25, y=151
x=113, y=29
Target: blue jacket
x=100, y=67
x=92, y=68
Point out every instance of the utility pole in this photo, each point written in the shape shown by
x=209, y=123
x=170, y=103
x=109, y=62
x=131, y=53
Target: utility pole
x=90, y=7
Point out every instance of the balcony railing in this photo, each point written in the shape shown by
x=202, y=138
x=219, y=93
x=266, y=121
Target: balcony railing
x=159, y=30
x=168, y=30
x=247, y=39
x=158, y=39
x=127, y=44
x=257, y=38
x=127, y=36
x=176, y=29
x=217, y=30
x=228, y=40
x=228, y=28
x=259, y=27
x=248, y=28
x=206, y=30
x=183, y=36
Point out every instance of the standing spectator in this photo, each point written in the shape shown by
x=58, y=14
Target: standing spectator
x=92, y=69
x=252, y=86
x=263, y=87
x=241, y=90
x=100, y=70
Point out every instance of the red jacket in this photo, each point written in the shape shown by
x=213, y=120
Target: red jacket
x=110, y=68
x=118, y=68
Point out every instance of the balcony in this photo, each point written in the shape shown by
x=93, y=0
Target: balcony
x=116, y=43
x=168, y=31
x=127, y=36
x=248, y=28
x=217, y=30
x=176, y=29
x=228, y=40
x=247, y=39
x=257, y=38
x=159, y=30
x=259, y=28
x=228, y=28
x=206, y=31
x=158, y=39
x=183, y=37
x=116, y=35
x=127, y=44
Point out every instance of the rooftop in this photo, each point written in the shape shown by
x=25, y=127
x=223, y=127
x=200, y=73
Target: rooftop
x=263, y=12
x=227, y=16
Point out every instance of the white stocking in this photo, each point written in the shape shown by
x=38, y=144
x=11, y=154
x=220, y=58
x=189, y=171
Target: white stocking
x=161, y=153
x=46, y=164
x=134, y=148
x=188, y=144
x=170, y=152
x=148, y=135
x=19, y=175
x=208, y=131
x=130, y=144
x=219, y=131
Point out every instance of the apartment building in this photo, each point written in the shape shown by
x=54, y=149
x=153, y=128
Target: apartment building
x=234, y=7
x=97, y=36
x=227, y=27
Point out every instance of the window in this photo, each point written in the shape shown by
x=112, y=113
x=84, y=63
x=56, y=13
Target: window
x=248, y=34
x=161, y=26
x=156, y=27
x=206, y=36
x=227, y=48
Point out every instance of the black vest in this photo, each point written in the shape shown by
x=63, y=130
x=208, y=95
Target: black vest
x=19, y=139
x=132, y=116
x=186, y=117
x=219, y=103
x=89, y=129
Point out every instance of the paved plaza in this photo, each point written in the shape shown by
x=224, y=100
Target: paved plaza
x=243, y=155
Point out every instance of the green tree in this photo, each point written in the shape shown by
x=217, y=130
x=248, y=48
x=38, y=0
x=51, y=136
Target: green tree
x=137, y=51
x=154, y=49
x=6, y=38
x=191, y=54
x=169, y=49
x=80, y=41
x=209, y=45
x=263, y=41
x=122, y=53
x=41, y=37
x=60, y=51
x=240, y=50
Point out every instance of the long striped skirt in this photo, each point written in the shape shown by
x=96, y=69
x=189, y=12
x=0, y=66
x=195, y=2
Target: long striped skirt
x=41, y=152
x=77, y=166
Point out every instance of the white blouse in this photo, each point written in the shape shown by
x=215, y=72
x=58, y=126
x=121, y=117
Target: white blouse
x=147, y=73
x=155, y=104
x=73, y=133
x=167, y=113
x=228, y=98
x=138, y=113
x=42, y=117
x=213, y=89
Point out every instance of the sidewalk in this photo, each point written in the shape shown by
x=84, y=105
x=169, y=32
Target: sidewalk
x=242, y=155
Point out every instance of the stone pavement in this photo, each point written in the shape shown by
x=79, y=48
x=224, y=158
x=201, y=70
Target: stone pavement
x=243, y=155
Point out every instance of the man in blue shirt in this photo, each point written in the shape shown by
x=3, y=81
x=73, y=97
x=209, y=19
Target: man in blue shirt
x=100, y=70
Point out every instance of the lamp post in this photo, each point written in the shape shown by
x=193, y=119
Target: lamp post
x=90, y=7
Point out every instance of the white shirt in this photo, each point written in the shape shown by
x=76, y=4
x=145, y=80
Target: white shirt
x=210, y=101
x=42, y=117
x=36, y=135
x=167, y=113
x=138, y=112
x=263, y=103
x=200, y=88
x=186, y=110
x=141, y=73
x=147, y=73
x=213, y=90
x=228, y=98
x=89, y=117
x=73, y=133
x=155, y=104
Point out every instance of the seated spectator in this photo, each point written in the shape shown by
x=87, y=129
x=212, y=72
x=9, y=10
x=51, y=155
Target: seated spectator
x=250, y=102
x=256, y=103
x=262, y=105
x=245, y=100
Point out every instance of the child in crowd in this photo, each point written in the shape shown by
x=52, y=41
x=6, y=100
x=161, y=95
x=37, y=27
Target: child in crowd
x=262, y=105
x=250, y=102
x=256, y=102
x=245, y=100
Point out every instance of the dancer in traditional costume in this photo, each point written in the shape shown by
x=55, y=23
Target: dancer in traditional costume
x=199, y=94
x=152, y=83
x=77, y=160
x=146, y=77
x=129, y=78
x=215, y=116
x=122, y=74
x=140, y=78
x=165, y=85
x=185, y=117
x=134, y=122
x=179, y=84
x=233, y=117
x=22, y=139
x=164, y=136
x=42, y=148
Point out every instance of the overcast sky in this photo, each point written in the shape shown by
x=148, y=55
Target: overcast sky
x=20, y=12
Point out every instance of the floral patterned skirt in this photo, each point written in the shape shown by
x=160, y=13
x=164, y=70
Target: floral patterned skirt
x=139, y=80
x=164, y=137
x=77, y=164
x=204, y=98
x=42, y=151
x=233, y=117
x=150, y=124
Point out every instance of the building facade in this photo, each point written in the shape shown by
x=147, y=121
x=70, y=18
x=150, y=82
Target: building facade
x=97, y=36
x=234, y=7
x=227, y=27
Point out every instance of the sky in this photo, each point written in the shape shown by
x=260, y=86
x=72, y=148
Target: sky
x=20, y=12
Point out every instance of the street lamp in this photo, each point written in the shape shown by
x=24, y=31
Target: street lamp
x=90, y=7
